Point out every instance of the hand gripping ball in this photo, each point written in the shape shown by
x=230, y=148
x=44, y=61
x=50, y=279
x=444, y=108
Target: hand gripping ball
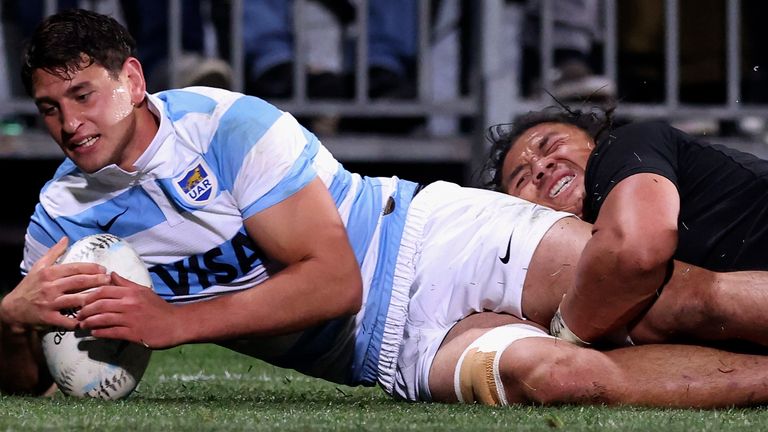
x=85, y=366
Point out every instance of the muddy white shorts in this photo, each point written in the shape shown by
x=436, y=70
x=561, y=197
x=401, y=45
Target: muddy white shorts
x=463, y=251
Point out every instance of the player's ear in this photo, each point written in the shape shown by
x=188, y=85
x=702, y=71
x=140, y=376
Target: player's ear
x=133, y=73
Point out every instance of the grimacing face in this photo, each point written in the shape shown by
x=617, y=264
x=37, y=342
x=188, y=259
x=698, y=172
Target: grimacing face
x=91, y=115
x=546, y=165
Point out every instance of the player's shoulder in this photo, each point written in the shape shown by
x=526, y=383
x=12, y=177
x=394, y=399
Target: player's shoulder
x=642, y=134
x=645, y=127
x=223, y=104
x=216, y=120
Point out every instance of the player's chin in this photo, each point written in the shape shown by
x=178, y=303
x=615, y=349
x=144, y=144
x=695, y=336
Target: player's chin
x=87, y=162
x=570, y=204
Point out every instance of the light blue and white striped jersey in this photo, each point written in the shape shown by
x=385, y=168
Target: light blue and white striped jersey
x=218, y=158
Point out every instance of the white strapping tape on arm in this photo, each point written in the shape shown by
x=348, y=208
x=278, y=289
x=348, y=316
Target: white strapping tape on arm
x=559, y=329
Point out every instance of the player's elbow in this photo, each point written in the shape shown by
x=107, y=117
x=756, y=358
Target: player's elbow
x=351, y=296
x=642, y=255
x=639, y=264
x=355, y=298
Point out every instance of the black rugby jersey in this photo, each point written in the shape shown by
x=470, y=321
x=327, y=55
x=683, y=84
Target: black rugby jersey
x=723, y=222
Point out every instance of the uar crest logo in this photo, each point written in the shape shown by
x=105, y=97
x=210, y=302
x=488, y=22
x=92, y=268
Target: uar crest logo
x=197, y=185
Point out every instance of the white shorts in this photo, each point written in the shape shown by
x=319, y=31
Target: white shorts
x=463, y=251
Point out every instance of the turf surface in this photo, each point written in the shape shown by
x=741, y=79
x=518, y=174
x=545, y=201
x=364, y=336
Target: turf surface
x=204, y=387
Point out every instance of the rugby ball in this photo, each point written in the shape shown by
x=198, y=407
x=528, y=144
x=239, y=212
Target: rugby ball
x=85, y=366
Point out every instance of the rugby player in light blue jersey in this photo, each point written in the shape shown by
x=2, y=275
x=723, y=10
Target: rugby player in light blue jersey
x=258, y=239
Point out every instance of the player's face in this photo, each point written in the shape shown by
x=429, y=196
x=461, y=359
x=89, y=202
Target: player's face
x=546, y=165
x=92, y=115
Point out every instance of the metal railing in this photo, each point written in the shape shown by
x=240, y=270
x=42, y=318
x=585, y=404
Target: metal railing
x=493, y=94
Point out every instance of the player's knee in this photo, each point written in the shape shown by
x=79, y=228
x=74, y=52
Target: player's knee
x=563, y=374
x=479, y=376
x=707, y=309
x=537, y=369
x=688, y=317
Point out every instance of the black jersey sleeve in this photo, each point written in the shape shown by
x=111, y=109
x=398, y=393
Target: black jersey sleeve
x=643, y=147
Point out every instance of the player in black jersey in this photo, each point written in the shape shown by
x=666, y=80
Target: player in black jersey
x=654, y=194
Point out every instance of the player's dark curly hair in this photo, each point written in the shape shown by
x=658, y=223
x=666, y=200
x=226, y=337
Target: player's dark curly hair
x=73, y=39
x=594, y=122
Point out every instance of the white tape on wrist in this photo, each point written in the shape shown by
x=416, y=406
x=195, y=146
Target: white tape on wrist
x=558, y=329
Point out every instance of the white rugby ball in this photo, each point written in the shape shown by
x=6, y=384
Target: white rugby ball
x=81, y=364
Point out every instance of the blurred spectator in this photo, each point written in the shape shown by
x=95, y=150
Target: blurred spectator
x=147, y=20
x=574, y=41
x=19, y=21
x=269, y=45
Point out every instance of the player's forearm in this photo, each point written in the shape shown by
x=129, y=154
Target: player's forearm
x=699, y=304
x=298, y=297
x=612, y=288
x=6, y=317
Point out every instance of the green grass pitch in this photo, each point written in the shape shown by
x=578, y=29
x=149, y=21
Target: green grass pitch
x=208, y=388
